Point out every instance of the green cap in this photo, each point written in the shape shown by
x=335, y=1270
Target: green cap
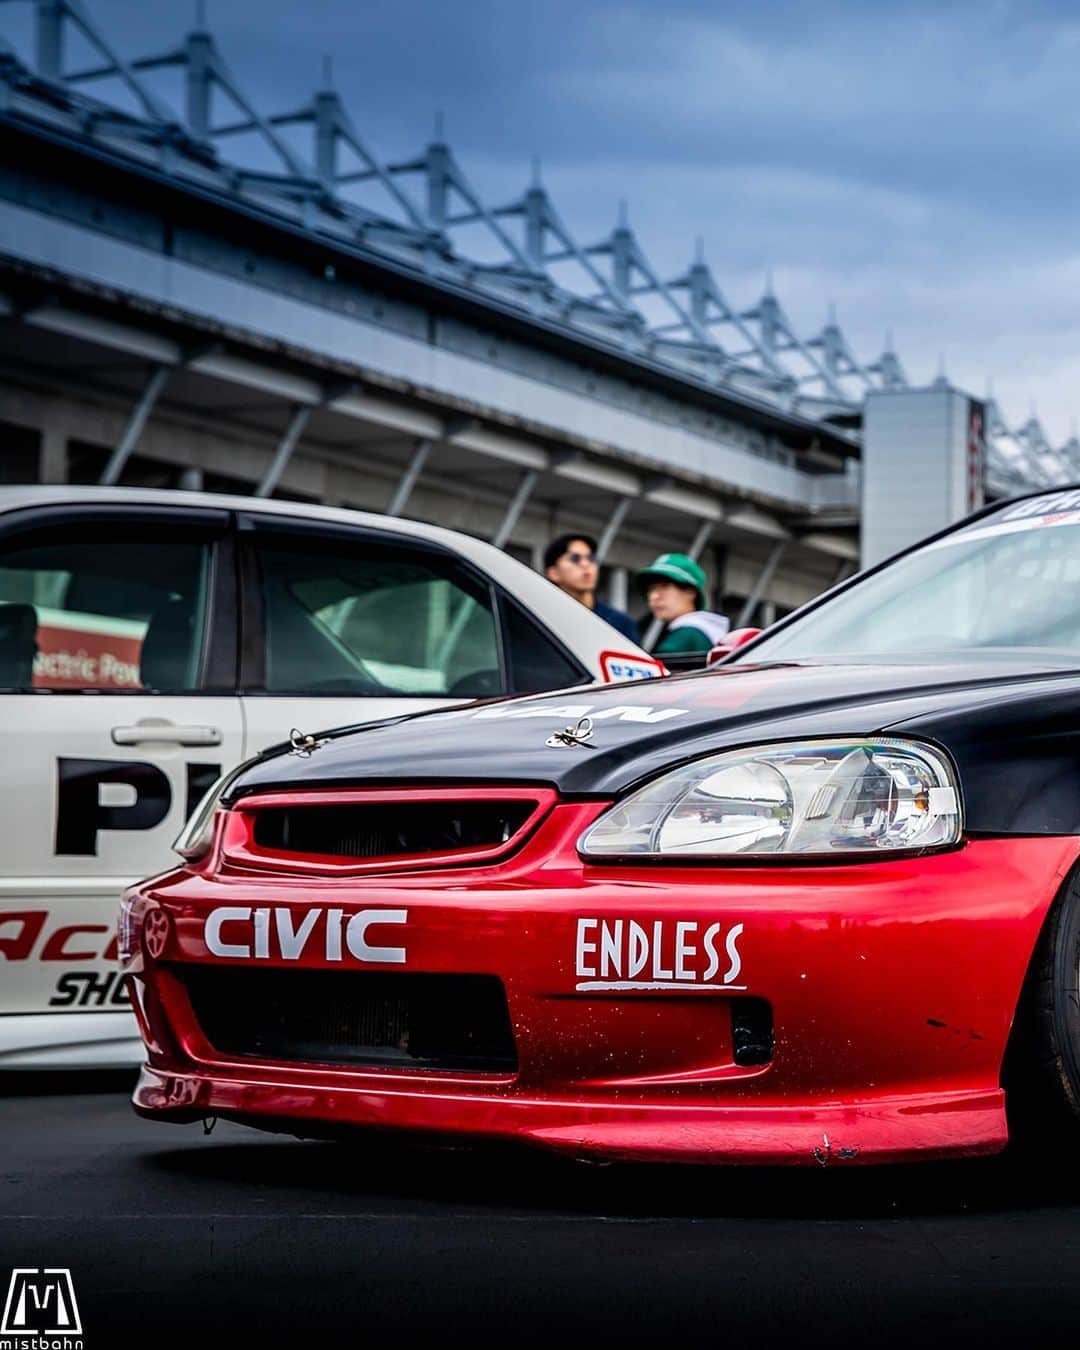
x=677, y=567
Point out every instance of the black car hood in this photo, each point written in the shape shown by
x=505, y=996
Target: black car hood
x=1011, y=723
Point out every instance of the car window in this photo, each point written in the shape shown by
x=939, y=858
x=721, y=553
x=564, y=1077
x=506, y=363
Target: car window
x=536, y=663
x=106, y=613
x=995, y=584
x=367, y=620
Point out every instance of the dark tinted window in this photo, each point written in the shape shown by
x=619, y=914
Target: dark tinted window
x=363, y=619
x=101, y=611
x=536, y=663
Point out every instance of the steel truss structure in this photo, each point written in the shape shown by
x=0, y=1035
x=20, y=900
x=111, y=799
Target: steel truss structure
x=418, y=213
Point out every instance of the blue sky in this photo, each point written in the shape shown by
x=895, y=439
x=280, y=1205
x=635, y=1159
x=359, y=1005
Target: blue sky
x=914, y=164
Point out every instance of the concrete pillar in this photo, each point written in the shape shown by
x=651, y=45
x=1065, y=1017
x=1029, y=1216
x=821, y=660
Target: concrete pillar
x=619, y=587
x=922, y=465
x=52, y=465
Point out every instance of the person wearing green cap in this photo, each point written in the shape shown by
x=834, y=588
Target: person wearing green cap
x=674, y=586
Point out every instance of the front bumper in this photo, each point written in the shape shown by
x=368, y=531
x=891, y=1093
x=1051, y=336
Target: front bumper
x=891, y=985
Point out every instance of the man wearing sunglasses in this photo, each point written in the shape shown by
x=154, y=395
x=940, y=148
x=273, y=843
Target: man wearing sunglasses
x=570, y=562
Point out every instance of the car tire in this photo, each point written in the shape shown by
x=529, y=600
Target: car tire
x=1041, y=1074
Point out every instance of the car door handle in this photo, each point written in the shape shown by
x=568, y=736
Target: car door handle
x=166, y=731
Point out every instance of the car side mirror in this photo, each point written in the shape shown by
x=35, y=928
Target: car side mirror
x=730, y=642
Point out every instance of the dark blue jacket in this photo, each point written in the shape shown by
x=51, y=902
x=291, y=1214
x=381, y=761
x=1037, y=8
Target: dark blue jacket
x=623, y=622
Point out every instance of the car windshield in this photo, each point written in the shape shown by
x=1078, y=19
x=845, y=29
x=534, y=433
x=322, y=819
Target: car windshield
x=1009, y=580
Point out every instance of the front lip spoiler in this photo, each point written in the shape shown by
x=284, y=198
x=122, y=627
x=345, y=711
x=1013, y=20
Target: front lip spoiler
x=886, y=1130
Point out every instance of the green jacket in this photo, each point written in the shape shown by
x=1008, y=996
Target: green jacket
x=684, y=639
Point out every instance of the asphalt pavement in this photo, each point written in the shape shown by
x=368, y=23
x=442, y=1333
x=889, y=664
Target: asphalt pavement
x=172, y=1233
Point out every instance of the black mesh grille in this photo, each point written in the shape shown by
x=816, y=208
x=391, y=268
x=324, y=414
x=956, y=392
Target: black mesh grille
x=389, y=829
x=416, y=1021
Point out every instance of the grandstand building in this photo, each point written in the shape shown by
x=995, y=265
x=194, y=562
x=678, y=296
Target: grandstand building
x=207, y=294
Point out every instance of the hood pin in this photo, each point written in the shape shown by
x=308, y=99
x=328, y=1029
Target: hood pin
x=302, y=744
x=579, y=734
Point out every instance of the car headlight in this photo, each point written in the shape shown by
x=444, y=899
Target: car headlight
x=864, y=796
x=194, y=840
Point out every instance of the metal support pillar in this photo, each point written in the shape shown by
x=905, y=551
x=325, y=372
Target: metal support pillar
x=439, y=182
x=327, y=118
x=612, y=528
x=413, y=470
x=199, y=84
x=534, y=225
x=50, y=39
x=283, y=453
x=763, y=579
x=515, y=508
x=134, y=429
x=705, y=529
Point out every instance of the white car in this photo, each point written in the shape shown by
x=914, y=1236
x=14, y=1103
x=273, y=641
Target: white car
x=151, y=640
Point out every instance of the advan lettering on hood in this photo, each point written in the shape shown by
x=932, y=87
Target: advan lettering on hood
x=570, y=712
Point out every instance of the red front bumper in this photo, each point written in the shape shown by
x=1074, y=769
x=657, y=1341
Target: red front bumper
x=891, y=987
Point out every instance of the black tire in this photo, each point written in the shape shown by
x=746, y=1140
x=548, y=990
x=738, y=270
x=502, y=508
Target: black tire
x=1041, y=1074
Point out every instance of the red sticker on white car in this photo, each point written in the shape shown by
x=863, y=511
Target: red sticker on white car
x=618, y=666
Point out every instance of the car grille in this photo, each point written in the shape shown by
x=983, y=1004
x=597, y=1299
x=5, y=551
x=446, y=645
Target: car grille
x=367, y=832
x=355, y=1018
x=400, y=829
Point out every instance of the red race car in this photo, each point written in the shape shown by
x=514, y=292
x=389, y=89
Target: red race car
x=817, y=905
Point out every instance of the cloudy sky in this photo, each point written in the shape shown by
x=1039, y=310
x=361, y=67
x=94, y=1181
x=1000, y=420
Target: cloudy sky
x=913, y=163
